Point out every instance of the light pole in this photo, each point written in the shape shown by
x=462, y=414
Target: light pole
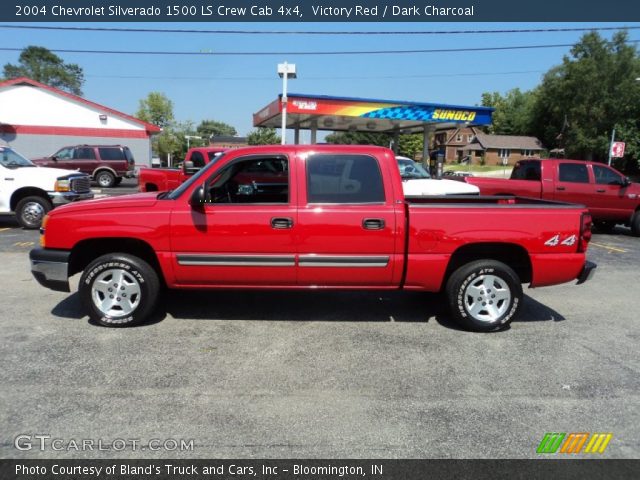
x=285, y=71
x=191, y=137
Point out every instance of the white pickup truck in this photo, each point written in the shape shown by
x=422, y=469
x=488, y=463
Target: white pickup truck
x=417, y=182
x=30, y=191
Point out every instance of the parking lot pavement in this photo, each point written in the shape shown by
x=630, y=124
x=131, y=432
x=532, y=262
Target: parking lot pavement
x=322, y=374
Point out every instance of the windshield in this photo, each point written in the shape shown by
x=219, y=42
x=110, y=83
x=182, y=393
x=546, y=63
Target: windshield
x=195, y=179
x=12, y=159
x=410, y=169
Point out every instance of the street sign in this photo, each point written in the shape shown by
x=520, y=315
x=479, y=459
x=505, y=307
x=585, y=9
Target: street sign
x=617, y=149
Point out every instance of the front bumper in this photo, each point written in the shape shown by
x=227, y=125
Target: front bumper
x=62, y=198
x=51, y=268
x=587, y=272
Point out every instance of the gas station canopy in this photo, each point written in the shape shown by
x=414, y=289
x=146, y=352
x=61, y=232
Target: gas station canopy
x=320, y=112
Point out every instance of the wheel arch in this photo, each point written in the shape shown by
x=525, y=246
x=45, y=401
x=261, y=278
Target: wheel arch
x=511, y=254
x=104, y=168
x=26, y=192
x=85, y=251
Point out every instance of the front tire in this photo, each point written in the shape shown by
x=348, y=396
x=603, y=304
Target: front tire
x=119, y=290
x=30, y=211
x=484, y=295
x=105, y=179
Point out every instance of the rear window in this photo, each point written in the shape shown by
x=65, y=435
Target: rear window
x=129, y=155
x=573, y=173
x=111, y=153
x=526, y=171
x=344, y=179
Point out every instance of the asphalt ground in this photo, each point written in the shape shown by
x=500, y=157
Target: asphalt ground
x=322, y=374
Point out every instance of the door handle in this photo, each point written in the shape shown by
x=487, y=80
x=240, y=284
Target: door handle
x=561, y=188
x=600, y=190
x=280, y=223
x=373, y=223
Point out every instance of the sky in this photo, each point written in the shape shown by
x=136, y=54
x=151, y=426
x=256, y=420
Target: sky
x=230, y=88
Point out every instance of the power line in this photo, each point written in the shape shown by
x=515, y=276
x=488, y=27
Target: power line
x=368, y=77
x=211, y=53
x=316, y=32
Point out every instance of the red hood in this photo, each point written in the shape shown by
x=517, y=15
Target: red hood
x=133, y=201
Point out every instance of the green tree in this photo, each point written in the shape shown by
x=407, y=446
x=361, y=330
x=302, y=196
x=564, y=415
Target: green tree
x=157, y=109
x=359, y=138
x=513, y=111
x=44, y=66
x=263, y=136
x=410, y=145
x=593, y=91
x=207, y=128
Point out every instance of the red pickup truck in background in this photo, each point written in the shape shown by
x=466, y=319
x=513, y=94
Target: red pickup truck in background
x=610, y=196
x=338, y=219
x=161, y=179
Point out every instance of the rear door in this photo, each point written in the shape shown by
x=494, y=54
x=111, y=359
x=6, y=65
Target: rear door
x=346, y=222
x=244, y=234
x=573, y=184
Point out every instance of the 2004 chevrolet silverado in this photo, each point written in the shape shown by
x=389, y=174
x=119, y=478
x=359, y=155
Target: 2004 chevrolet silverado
x=337, y=219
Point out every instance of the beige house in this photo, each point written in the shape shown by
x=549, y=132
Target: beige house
x=470, y=143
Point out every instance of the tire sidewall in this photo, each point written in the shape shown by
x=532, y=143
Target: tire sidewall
x=142, y=272
x=468, y=274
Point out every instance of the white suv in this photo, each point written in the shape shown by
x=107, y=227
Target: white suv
x=30, y=191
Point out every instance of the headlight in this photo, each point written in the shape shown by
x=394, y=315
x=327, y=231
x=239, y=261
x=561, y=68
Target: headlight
x=62, y=185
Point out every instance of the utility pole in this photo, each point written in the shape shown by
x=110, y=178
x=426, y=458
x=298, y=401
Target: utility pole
x=613, y=136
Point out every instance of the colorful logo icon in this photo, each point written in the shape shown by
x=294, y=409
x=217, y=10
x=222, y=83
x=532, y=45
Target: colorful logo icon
x=574, y=442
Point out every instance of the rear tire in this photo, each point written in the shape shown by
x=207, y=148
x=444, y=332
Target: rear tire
x=30, y=211
x=635, y=224
x=119, y=290
x=105, y=179
x=484, y=295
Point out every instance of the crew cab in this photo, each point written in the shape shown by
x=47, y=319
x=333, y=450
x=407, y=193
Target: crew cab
x=30, y=192
x=161, y=179
x=107, y=164
x=337, y=219
x=610, y=196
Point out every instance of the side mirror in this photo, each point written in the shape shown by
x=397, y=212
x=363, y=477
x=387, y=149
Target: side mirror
x=626, y=182
x=188, y=167
x=198, y=197
x=54, y=158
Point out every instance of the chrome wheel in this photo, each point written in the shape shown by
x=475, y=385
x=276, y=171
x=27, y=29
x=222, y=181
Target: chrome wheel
x=487, y=298
x=116, y=293
x=33, y=213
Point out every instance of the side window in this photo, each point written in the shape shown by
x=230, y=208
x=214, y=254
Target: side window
x=64, y=154
x=84, y=153
x=344, y=179
x=198, y=159
x=109, y=153
x=573, y=172
x=606, y=176
x=526, y=171
x=252, y=180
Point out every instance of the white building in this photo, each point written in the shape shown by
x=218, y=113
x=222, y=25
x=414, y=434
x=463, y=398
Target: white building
x=37, y=120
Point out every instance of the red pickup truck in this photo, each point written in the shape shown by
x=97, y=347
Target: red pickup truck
x=340, y=221
x=160, y=179
x=610, y=196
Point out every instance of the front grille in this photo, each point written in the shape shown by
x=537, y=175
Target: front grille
x=81, y=184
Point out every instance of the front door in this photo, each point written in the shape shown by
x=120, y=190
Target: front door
x=244, y=234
